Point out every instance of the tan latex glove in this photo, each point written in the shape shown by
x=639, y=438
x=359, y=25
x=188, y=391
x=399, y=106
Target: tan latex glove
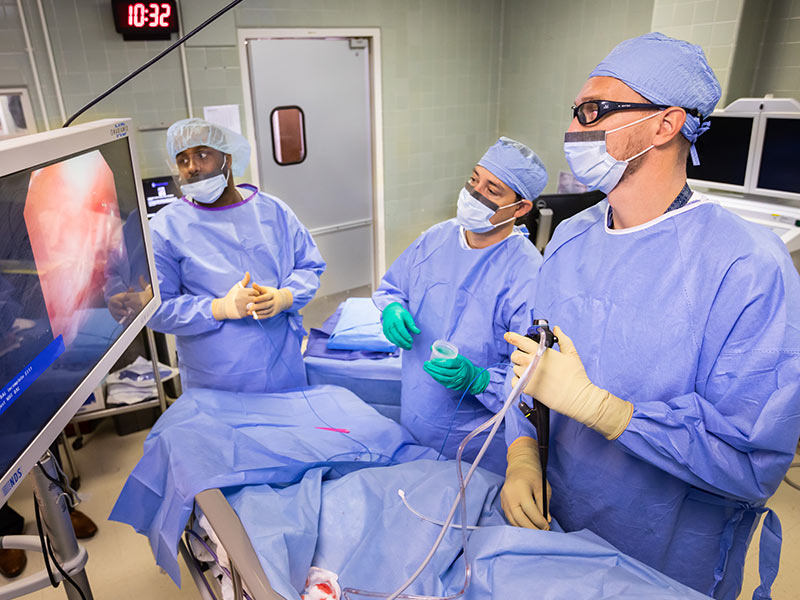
x=269, y=301
x=560, y=382
x=126, y=305
x=521, y=496
x=135, y=301
x=234, y=304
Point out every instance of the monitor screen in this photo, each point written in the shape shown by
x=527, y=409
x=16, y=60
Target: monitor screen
x=778, y=169
x=159, y=192
x=723, y=151
x=73, y=276
x=563, y=206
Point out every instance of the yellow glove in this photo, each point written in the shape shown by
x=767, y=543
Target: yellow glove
x=521, y=496
x=125, y=305
x=560, y=382
x=234, y=304
x=269, y=301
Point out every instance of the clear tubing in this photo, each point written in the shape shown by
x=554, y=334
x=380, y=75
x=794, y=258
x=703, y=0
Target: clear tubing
x=415, y=512
x=494, y=422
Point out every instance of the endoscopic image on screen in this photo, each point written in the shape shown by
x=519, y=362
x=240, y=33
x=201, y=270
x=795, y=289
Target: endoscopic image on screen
x=73, y=275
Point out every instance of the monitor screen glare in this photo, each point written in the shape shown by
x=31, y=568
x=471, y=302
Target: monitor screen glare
x=73, y=276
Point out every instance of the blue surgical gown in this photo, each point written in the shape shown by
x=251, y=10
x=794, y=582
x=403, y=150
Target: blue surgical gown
x=695, y=319
x=200, y=254
x=469, y=297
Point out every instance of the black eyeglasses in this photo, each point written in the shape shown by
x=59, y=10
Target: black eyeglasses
x=594, y=110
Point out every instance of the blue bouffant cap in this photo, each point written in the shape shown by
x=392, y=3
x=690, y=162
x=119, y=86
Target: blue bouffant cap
x=517, y=166
x=188, y=133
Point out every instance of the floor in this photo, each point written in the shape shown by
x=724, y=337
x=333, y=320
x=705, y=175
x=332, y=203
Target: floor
x=120, y=565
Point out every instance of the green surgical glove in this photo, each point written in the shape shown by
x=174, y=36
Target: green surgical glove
x=458, y=374
x=398, y=325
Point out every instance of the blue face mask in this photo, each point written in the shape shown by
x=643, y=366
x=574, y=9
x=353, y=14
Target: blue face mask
x=475, y=210
x=591, y=163
x=207, y=191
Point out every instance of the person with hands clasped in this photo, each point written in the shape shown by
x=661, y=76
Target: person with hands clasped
x=234, y=266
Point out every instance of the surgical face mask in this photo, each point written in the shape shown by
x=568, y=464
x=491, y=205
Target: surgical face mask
x=590, y=161
x=475, y=210
x=207, y=191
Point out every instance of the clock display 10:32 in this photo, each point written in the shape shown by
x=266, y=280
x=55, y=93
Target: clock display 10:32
x=151, y=14
x=145, y=20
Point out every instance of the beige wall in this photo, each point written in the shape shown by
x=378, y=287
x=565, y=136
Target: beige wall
x=711, y=24
x=752, y=45
x=778, y=67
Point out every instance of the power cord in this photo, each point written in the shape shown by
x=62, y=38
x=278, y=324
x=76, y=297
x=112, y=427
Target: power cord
x=47, y=548
x=39, y=527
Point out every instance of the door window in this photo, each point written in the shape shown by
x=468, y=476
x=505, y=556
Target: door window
x=288, y=135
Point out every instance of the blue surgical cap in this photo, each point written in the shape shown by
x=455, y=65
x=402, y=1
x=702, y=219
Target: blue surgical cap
x=517, y=166
x=188, y=133
x=666, y=71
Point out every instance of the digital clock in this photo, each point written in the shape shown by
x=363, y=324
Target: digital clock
x=145, y=20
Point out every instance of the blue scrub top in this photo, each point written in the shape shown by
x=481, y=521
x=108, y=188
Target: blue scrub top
x=693, y=317
x=200, y=253
x=469, y=297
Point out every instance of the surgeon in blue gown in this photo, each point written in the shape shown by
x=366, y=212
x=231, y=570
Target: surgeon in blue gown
x=234, y=267
x=466, y=280
x=675, y=390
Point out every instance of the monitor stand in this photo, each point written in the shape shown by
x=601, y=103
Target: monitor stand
x=58, y=527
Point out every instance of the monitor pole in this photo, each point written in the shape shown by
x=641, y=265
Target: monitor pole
x=55, y=514
x=59, y=533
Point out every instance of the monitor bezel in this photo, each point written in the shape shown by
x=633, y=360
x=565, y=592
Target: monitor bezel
x=748, y=176
x=754, y=189
x=21, y=153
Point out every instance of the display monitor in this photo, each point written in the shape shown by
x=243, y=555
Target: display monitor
x=77, y=279
x=725, y=152
x=550, y=209
x=777, y=173
x=159, y=192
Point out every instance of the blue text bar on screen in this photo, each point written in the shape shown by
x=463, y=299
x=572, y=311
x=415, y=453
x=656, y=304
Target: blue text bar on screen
x=23, y=380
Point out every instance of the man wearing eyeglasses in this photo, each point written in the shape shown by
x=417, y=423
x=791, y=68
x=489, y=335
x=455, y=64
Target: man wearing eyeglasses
x=675, y=391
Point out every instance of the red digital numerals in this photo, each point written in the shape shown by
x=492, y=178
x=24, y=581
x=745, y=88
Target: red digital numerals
x=149, y=15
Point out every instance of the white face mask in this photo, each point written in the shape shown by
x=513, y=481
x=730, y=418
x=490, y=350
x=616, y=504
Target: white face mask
x=590, y=161
x=474, y=214
x=207, y=191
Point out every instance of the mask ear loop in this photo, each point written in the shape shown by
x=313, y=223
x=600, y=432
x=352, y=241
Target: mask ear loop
x=500, y=224
x=650, y=147
x=224, y=160
x=635, y=122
